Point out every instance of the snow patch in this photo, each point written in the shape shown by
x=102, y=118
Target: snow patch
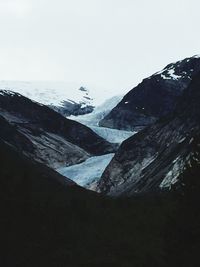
x=172, y=176
x=191, y=140
x=181, y=140
x=196, y=56
x=8, y=93
x=170, y=74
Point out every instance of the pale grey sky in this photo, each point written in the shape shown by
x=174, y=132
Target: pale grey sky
x=106, y=43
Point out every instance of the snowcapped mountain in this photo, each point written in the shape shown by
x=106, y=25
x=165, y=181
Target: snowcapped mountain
x=154, y=97
x=48, y=93
x=155, y=158
x=43, y=214
x=67, y=98
x=182, y=69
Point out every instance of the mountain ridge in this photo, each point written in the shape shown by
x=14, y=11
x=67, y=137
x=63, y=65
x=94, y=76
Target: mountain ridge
x=154, y=97
x=49, y=137
x=154, y=158
x=66, y=98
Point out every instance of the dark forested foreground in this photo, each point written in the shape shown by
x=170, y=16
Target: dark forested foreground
x=45, y=222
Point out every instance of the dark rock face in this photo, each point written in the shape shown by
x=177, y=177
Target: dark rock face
x=40, y=145
x=154, y=97
x=68, y=108
x=153, y=159
x=16, y=165
x=45, y=135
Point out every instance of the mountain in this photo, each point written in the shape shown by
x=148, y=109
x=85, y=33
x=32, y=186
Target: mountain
x=45, y=135
x=47, y=220
x=154, y=159
x=66, y=98
x=154, y=97
x=83, y=105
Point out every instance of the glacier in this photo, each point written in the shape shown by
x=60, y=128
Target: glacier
x=88, y=172
x=92, y=121
x=99, y=112
x=112, y=135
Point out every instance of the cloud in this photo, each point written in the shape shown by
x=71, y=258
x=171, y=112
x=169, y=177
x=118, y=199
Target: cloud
x=16, y=8
x=108, y=43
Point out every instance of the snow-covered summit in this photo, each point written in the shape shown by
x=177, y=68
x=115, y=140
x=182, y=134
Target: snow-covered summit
x=68, y=98
x=8, y=93
x=175, y=71
x=50, y=93
x=156, y=96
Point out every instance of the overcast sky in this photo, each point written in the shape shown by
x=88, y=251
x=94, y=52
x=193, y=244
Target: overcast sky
x=106, y=43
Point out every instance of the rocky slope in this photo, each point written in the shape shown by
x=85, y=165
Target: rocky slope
x=44, y=134
x=154, y=97
x=154, y=159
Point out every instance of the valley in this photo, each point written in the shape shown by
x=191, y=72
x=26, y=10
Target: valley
x=115, y=185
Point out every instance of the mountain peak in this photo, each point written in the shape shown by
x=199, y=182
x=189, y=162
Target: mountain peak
x=182, y=69
x=154, y=159
x=154, y=97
